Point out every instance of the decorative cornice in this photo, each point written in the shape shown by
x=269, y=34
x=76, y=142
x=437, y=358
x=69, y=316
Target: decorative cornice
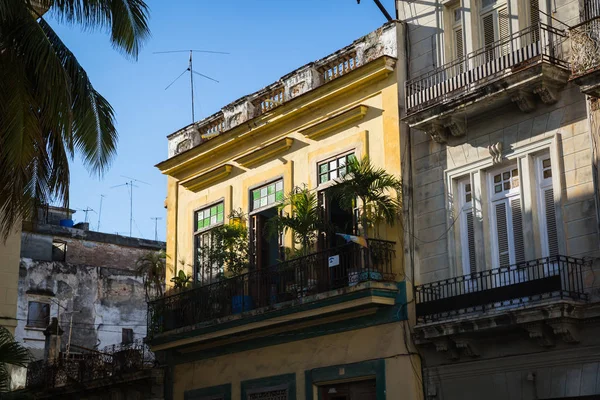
x=261, y=154
x=208, y=178
x=329, y=124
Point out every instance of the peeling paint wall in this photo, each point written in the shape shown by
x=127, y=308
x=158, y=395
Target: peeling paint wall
x=103, y=300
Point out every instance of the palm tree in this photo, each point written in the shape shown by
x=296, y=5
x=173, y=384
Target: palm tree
x=49, y=110
x=374, y=187
x=152, y=267
x=11, y=353
x=305, y=220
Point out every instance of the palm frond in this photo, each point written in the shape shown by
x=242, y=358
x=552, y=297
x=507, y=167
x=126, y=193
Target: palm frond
x=127, y=20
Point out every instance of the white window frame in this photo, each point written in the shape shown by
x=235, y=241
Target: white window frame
x=479, y=170
x=542, y=184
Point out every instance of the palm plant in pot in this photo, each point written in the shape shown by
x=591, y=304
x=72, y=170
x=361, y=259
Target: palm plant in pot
x=226, y=255
x=304, y=220
x=377, y=193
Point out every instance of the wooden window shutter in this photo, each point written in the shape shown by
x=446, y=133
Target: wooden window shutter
x=517, y=227
x=534, y=12
x=458, y=39
x=489, y=36
x=471, y=242
x=550, y=213
x=504, y=30
x=502, y=235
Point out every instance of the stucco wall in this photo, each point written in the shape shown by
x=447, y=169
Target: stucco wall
x=379, y=342
x=566, y=120
x=84, y=247
x=376, y=135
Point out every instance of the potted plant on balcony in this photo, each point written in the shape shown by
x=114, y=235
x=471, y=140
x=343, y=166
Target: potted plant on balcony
x=227, y=254
x=378, y=194
x=299, y=214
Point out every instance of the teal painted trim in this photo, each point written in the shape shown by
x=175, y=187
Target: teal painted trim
x=275, y=314
x=279, y=381
x=364, y=369
x=384, y=315
x=223, y=391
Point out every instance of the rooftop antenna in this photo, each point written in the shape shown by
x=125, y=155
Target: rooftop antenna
x=156, y=219
x=130, y=185
x=86, y=211
x=190, y=69
x=385, y=13
x=102, y=196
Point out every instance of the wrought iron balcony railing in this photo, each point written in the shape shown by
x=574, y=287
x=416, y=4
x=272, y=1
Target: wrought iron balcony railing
x=539, y=42
x=585, y=46
x=110, y=362
x=544, y=278
x=300, y=277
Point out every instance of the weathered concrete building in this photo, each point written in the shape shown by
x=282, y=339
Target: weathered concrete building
x=84, y=277
x=503, y=186
x=289, y=328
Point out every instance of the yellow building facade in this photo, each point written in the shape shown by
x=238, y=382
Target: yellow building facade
x=306, y=328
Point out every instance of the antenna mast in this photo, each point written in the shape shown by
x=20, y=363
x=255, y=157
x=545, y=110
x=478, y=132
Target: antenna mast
x=190, y=69
x=100, y=211
x=130, y=185
x=156, y=219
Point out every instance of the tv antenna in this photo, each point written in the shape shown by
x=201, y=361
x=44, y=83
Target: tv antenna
x=102, y=196
x=156, y=219
x=191, y=70
x=130, y=185
x=86, y=211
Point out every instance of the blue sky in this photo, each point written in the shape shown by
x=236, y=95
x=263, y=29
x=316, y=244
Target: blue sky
x=266, y=39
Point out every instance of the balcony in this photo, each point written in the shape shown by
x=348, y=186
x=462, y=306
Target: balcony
x=88, y=369
x=527, y=63
x=585, y=56
x=310, y=282
x=534, y=295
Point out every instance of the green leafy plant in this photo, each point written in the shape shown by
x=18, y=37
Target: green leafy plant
x=377, y=190
x=152, y=267
x=181, y=280
x=305, y=220
x=11, y=353
x=49, y=109
x=226, y=253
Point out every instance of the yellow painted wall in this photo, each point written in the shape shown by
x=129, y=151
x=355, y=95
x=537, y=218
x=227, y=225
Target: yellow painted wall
x=10, y=257
x=383, y=341
x=377, y=134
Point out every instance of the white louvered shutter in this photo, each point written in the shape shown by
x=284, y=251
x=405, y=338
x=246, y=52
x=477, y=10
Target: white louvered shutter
x=502, y=234
x=517, y=228
x=489, y=36
x=550, y=213
x=471, y=242
x=504, y=30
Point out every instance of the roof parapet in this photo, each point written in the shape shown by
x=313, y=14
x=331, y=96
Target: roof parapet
x=380, y=42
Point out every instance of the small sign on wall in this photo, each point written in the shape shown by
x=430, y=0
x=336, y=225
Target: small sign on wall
x=334, y=261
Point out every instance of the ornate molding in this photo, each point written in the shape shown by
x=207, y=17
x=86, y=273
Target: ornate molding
x=541, y=333
x=567, y=331
x=208, y=178
x=456, y=126
x=546, y=93
x=496, y=152
x=437, y=133
x=524, y=101
x=445, y=345
x=329, y=124
x=262, y=154
x=467, y=346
